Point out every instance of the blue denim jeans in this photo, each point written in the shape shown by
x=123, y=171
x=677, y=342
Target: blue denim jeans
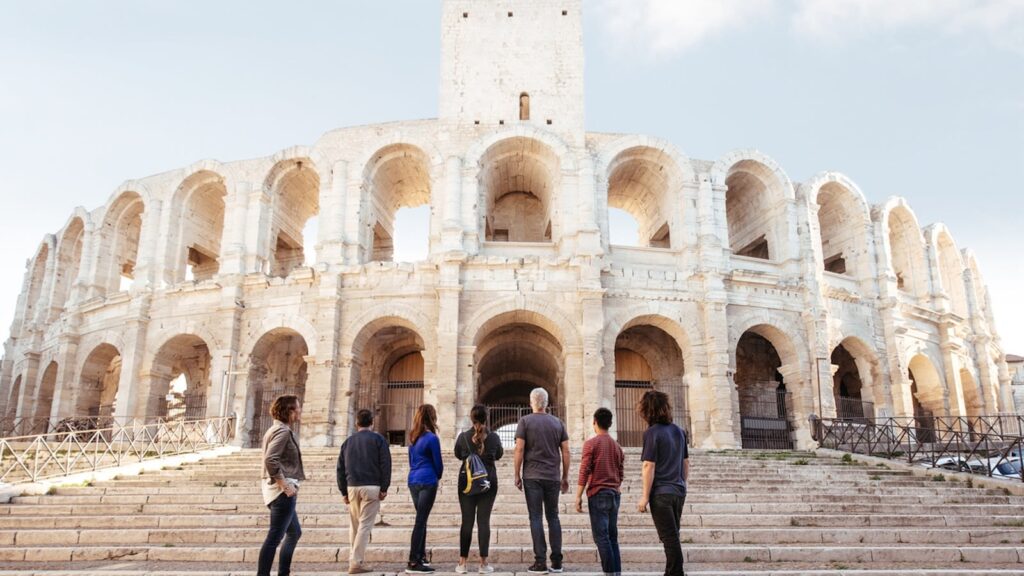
x=604, y=525
x=423, y=496
x=542, y=499
x=284, y=525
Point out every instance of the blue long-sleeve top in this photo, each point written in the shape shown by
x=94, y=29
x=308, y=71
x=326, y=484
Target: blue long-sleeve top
x=425, y=464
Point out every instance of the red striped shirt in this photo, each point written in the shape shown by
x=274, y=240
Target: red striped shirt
x=602, y=464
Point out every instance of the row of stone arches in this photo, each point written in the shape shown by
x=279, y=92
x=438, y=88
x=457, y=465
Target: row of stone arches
x=393, y=370
x=520, y=178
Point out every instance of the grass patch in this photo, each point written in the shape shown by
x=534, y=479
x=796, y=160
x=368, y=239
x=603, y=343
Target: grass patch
x=874, y=477
x=801, y=462
x=938, y=478
x=221, y=484
x=847, y=458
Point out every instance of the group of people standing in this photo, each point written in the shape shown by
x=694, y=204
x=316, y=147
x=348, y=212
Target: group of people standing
x=541, y=472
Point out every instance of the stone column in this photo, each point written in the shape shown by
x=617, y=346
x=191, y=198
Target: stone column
x=258, y=246
x=233, y=240
x=322, y=387
x=29, y=385
x=588, y=235
x=801, y=400
x=472, y=207
x=144, y=275
x=573, y=396
x=596, y=393
x=466, y=384
x=332, y=216
x=446, y=392
x=451, y=235
x=317, y=401
x=63, y=392
x=129, y=401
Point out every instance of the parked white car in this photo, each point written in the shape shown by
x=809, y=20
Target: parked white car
x=1000, y=467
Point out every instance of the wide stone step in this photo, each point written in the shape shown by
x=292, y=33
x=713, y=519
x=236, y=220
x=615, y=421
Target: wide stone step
x=585, y=555
x=515, y=536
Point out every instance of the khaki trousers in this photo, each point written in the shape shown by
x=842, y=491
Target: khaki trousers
x=364, y=504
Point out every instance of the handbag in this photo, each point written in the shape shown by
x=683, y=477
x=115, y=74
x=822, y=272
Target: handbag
x=477, y=479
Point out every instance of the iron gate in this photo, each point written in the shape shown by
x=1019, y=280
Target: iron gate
x=502, y=420
x=764, y=420
x=261, y=418
x=629, y=426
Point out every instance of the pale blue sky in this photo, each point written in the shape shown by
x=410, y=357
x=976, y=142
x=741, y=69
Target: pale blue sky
x=919, y=98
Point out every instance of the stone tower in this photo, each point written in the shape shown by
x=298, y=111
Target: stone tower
x=509, y=61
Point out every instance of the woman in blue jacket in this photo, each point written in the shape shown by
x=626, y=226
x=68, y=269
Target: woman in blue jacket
x=425, y=470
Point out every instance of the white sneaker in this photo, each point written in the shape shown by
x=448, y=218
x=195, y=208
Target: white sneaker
x=488, y=569
x=460, y=569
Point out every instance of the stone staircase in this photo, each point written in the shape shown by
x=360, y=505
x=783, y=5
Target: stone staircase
x=747, y=513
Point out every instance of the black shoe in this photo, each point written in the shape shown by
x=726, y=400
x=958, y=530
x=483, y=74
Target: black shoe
x=556, y=567
x=538, y=568
x=418, y=568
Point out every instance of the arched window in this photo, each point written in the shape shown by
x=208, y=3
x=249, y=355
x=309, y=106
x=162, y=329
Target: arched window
x=524, y=106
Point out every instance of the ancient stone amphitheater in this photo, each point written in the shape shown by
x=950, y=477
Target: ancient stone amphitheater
x=755, y=301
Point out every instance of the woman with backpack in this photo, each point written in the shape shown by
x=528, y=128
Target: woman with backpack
x=425, y=470
x=478, y=449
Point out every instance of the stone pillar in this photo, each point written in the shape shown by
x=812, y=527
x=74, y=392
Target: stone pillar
x=144, y=275
x=588, y=235
x=451, y=235
x=63, y=392
x=573, y=396
x=801, y=400
x=332, y=221
x=473, y=208
x=596, y=393
x=317, y=401
x=356, y=208
x=258, y=246
x=723, y=407
x=957, y=406
x=446, y=392
x=29, y=385
x=129, y=401
x=233, y=240
x=89, y=283
x=466, y=384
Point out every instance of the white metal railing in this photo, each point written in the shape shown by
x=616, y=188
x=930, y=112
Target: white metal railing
x=58, y=454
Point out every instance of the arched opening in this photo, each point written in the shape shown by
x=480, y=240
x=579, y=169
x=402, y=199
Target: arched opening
x=519, y=177
x=295, y=189
x=34, y=300
x=44, y=400
x=929, y=396
x=646, y=358
x=197, y=224
x=69, y=262
x=179, y=381
x=906, y=249
x=843, y=230
x=277, y=366
x=755, y=209
x=951, y=269
x=524, y=106
x=388, y=374
x=974, y=400
x=396, y=180
x=853, y=401
x=512, y=358
x=765, y=406
x=641, y=182
x=97, y=388
x=120, y=235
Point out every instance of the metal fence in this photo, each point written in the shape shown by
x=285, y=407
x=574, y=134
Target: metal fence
x=58, y=454
x=946, y=447
x=188, y=406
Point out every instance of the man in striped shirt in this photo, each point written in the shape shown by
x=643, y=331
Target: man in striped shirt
x=601, y=473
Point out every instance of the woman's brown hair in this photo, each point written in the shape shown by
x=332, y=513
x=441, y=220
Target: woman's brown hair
x=655, y=408
x=478, y=416
x=283, y=407
x=425, y=419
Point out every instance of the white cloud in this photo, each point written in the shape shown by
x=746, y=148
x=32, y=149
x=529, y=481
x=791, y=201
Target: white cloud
x=667, y=27
x=1000, y=22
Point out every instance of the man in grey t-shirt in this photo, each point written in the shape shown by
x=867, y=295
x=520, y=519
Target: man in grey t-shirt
x=542, y=446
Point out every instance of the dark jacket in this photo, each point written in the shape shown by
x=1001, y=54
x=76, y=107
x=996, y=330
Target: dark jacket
x=281, y=455
x=492, y=453
x=364, y=460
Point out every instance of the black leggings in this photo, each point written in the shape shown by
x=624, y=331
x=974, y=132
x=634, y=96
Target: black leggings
x=478, y=507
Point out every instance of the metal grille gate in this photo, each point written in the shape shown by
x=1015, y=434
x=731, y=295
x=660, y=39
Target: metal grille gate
x=502, y=420
x=629, y=426
x=764, y=420
x=261, y=419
